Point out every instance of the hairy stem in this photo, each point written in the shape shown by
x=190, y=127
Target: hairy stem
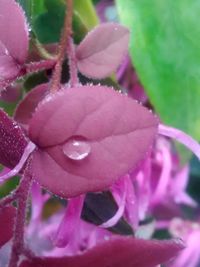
x=27, y=69
x=39, y=66
x=70, y=46
x=18, y=238
x=72, y=63
x=66, y=32
x=8, y=199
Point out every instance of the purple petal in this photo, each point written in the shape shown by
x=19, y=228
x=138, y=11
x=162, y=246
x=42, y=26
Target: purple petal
x=7, y=217
x=142, y=188
x=70, y=222
x=165, y=176
x=132, y=205
x=12, y=141
x=178, y=188
x=27, y=106
x=181, y=137
x=118, y=252
x=102, y=50
x=119, y=191
x=190, y=256
x=38, y=201
x=13, y=30
x=117, y=130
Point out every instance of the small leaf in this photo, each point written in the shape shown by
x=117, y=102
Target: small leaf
x=48, y=25
x=13, y=35
x=8, y=67
x=7, y=217
x=86, y=10
x=12, y=141
x=27, y=106
x=32, y=8
x=102, y=50
x=119, y=251
x=11, y=94
x=113, y=133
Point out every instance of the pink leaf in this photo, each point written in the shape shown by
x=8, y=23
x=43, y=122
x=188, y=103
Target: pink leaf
x=7, y=216
x=12, y=141
x=102, y=50
x=11, y=94
x=13, y=30
x=27, y=106
x=121, y=251
x=88, y=137
x=8, y=67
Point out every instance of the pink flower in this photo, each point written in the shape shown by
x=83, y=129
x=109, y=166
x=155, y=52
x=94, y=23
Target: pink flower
x=190, y=232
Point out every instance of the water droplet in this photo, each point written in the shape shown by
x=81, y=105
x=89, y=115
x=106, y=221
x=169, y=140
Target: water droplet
x=76, y=149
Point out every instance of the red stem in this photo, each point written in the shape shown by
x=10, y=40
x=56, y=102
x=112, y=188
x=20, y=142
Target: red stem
x=8, y=199
x=56, y=77
x=41, y=65
x=18, y=238
x=70, y=46
x=27, y=69
x=72, y=63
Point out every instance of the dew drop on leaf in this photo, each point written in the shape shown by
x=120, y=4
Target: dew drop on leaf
x=76, y=149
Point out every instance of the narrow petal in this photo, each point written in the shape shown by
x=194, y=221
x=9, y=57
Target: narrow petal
x=163, y=183
x=132, y=205
x=119, y=191
x=38, y=200
x=70, y=222
x=181, y=137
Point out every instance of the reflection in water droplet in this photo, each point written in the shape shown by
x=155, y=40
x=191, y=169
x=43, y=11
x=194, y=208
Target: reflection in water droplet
x=76, y=149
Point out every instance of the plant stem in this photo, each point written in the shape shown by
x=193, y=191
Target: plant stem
x=66, y=32
x=27, y=69
x=8, y=199
x=40, y=65
x=72, y=63
x=70, y=46
x=18, y=238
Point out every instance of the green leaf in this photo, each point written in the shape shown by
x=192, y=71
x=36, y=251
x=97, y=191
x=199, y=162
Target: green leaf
x=48, y=25
x=32, y=8
x=79, y=27
x=165, y=50
x=87, y=12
